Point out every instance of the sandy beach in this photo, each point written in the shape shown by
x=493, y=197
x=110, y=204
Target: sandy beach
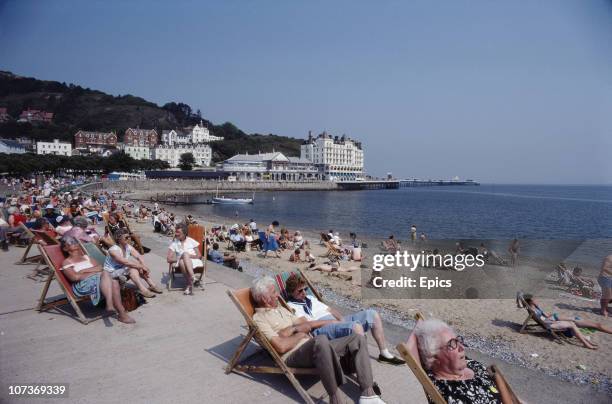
x=490, y=326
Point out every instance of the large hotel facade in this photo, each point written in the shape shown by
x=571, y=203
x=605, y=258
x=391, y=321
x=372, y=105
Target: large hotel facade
x=338, y=158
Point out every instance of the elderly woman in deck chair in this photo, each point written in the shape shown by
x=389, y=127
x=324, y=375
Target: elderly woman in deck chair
x=458, y=378
x=568, y=325
x=89, y=279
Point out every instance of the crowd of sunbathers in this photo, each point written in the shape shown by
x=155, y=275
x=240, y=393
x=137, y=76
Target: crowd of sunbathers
x=304, y=330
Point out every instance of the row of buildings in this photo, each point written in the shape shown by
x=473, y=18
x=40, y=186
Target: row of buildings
x=27, y=115
x=147, y=144
x=322, y=157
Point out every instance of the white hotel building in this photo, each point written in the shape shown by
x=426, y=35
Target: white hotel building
x=55, y=147
x=338, y=159
x=137, y=152
x=202, y=153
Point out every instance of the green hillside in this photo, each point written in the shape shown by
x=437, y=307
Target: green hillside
x=77, y=108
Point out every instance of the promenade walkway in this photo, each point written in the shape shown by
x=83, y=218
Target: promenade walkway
x=177, y=350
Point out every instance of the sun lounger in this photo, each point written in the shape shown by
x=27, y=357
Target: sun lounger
x=410, y=353
x=196, y=232
x=54, y=257
x=244, y=302
x=531, y=316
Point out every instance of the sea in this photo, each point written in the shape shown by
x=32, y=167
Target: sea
x=578, y=215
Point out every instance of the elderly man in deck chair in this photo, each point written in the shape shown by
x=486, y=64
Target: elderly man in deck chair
x=290, y=337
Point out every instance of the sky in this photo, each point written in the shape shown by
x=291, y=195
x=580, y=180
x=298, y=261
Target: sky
x=499, y=92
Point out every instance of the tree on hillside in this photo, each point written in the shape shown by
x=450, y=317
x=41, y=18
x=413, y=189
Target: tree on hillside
x=186, y=162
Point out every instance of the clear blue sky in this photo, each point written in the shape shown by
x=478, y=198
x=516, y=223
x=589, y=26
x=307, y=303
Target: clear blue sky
x=505, y=92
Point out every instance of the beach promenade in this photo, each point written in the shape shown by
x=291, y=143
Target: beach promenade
x=177, y=350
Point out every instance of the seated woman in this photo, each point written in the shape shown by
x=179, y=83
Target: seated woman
x=571, y=326
x=459, y=379
x=391, y=244
x=124, y=260
x=89, y=279
x=298, y=240
x=295, y=257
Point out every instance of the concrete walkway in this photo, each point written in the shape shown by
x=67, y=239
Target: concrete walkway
x=177, y=350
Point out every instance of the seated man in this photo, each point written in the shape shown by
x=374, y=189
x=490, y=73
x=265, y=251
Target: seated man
x=230, y=260
x=185, y=252
x=359, y=323
x=459, y=379
x=289, y=336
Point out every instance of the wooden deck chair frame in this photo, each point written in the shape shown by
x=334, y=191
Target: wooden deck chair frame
x=33, y=240
x=40, y=237
x=507, y=394
x=64, y=284
x=532, y=317
x=136, y=239
x=173, y=270
x=244, y=303
x=332, y=250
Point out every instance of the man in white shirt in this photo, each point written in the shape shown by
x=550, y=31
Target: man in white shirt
x=185, y=252
x=358, y=323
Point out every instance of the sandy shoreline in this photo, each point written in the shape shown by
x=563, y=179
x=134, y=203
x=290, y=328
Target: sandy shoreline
x=490, y=326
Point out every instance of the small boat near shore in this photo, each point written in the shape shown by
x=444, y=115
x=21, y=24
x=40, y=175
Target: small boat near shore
x=222, y=200
x=232, y=201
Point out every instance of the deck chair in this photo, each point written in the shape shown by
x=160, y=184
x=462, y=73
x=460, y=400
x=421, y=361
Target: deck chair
x=333, y=253
x=244, y=302
x=32, y=240
x=135, y=238
x=282, y=278
x=40, y=237
x=196, y=232
x=54, y=257
x=557, y=336
x=410, y=353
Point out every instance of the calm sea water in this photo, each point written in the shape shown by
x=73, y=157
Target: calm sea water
x=487, y=211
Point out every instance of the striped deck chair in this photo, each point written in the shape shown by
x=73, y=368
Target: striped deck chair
x=54, y=257
x=282, y=278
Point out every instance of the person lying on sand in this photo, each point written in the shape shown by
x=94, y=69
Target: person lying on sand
x=567, y=324
x=359, y=323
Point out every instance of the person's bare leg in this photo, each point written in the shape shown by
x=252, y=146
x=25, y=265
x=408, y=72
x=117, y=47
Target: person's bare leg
x=604, y=307
x=122, y=314
x=135, y=277
x=594, y=325
x=106, y=288
x=378, y=333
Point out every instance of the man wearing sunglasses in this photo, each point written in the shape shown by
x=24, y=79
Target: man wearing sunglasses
x=313, y=309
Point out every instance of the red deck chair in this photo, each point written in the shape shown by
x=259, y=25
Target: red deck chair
x=54, y=257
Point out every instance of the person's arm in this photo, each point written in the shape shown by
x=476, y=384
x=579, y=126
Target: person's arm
x=284, y=344
x=138, y=257
x=196, y=248
x=171, y=256
x=74, y=276
x=116, y=256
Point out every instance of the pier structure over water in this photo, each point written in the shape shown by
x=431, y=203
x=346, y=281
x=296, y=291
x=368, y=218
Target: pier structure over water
x=395, y=184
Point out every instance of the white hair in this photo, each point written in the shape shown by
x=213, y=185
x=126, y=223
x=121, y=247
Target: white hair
x=261, y=286
x=429, y=339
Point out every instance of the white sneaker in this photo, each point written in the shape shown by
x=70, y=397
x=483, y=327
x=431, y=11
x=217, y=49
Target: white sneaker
x=370, y=400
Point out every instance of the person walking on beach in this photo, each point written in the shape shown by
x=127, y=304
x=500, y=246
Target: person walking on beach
x=514, y=250
x=413, y=234
x=605, y=281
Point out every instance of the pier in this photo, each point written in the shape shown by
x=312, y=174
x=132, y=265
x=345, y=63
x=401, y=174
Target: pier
x=396, y=184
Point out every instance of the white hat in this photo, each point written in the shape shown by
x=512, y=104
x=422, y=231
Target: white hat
x=50, y=206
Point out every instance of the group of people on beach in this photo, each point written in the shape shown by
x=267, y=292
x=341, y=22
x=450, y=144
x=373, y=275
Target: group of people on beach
x=306, y=332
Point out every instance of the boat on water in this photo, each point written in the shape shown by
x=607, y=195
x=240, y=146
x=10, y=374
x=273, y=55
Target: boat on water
x=222, y=200
x=232, y=201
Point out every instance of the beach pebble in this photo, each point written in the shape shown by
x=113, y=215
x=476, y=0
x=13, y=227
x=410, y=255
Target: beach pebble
x=581, y=367
x=534, y=355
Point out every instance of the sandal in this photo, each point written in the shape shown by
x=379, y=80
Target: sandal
x=188, y=291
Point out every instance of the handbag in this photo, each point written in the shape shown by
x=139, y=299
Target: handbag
x=129, y=299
